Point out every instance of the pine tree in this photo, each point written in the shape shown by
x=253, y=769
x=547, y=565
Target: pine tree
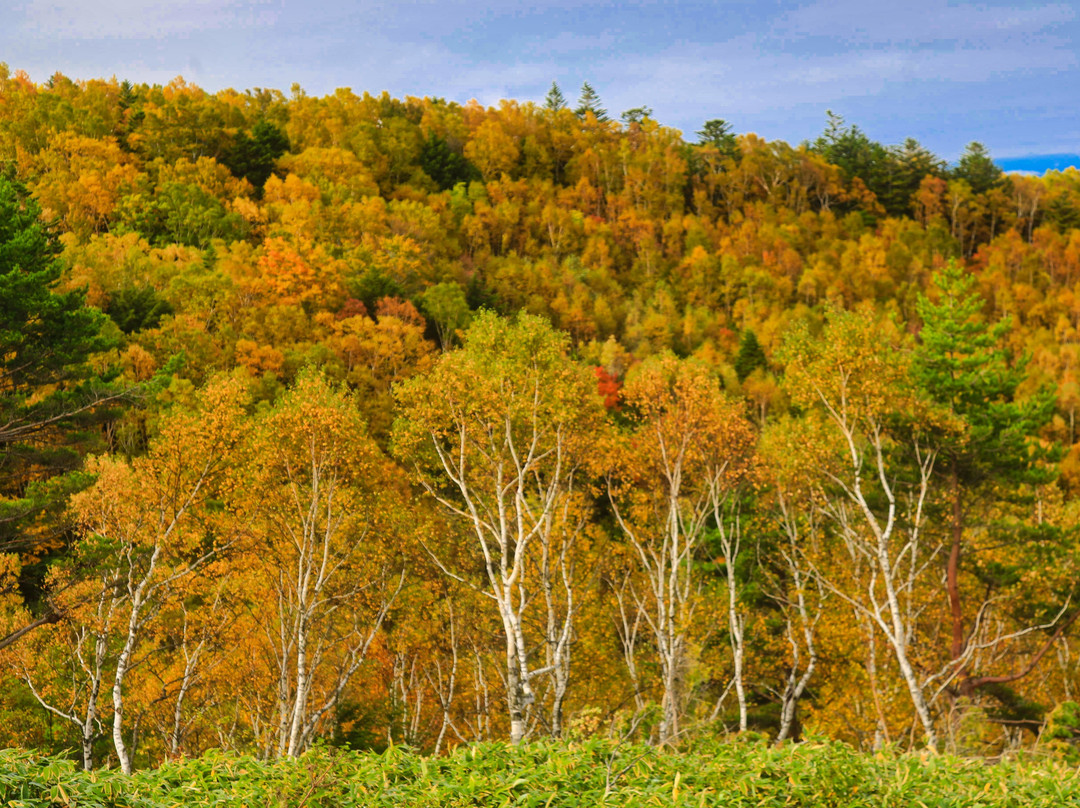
x=750, y=357
x=717, y=133
x=636, y=115
x=554, y=100
x=46, y=340
x=911, y=162
x=45, y=336
x=856, y=154
x=254, y=157
x=589, y=101
x=976, y=167
x=444, y=165
x=963, y=367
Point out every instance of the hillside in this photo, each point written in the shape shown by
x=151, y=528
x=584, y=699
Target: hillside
x=372, y=421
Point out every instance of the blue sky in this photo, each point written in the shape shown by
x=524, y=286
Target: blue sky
x=947, y=73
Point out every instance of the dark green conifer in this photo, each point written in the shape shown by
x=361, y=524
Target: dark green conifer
x=750, y=356
x=589, y=101
x=988, y=452
x=555, y=100
x=976, y=167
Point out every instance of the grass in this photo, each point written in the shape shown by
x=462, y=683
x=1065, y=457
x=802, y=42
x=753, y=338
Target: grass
x=551, y=776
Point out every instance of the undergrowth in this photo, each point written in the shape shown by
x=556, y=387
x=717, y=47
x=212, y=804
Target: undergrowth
x=551, y=776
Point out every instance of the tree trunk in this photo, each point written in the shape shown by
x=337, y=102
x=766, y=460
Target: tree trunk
x=139, y=595
x=730, y=537
x=669, y=713
x=303, y=685
x=515, y=696
x=952, y=572
x=897, y=634
x=118, y=715
x=88, y=747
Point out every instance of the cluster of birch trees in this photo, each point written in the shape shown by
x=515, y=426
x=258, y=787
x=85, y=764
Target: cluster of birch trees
x=533, y=558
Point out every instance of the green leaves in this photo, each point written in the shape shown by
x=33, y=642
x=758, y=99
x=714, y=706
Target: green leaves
x=253, y=158
x=546, y=776
x=445, y=165
x=45, y=337
x=962, y=364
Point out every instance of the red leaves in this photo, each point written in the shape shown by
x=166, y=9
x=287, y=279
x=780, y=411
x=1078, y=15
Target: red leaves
x=609, y=387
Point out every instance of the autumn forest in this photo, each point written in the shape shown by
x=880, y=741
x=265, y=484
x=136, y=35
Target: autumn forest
x=374, y=422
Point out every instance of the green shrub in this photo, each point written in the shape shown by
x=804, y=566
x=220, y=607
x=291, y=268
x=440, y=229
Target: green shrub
x=594, y=773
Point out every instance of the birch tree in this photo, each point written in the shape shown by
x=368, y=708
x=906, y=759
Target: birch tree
x=142, y=529
x=498, y=435
x=322, y=561
x=878, y=488
x=795, y=510
x=686, y=450
x=66, y=666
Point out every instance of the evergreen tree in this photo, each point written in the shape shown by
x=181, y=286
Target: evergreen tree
x=445, y=165
x=962, y=364
x=750, y=356
x=636, y=115
x=1063, y=214
x=976, y=167
x=554, y=100
x=717, y=133
x=46, y=387
x=589, y=101
x=856, y=154
x=253, y=158
x=134, y=308
x=910, y=163
x=45, y=337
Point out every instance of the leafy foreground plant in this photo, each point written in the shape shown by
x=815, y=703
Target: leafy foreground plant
x=592, y=774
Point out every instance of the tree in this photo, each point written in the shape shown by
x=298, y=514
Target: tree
x=253, y=158
x=963, y=366
x=46, y=337
x=46, y=341
x=788, y=572
x=445, y=165
x=134, y=308
x=446, y=305
x=499, y=434
x=671, y=479
x=878, y=483
x=79, y=180
x=718, y=134
x=324, y=572
x=911, y=163
x=180, y=213
x=554, y=100
x=589, y=102
x=143, y=528
x=977, y=169
x=636, y=115
x=855, y=153
x=750, y=356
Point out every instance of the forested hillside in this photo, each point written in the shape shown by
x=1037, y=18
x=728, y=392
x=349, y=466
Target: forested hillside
x=374, y=420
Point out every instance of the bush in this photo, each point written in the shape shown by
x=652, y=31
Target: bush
x=595, y=773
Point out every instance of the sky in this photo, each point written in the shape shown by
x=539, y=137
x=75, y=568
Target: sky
x=946, y=73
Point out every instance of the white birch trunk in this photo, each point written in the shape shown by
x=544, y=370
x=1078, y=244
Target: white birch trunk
x=800, y=624
x=667, y=564
x=886, y=551
x=730, y=542
x=517, y=514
